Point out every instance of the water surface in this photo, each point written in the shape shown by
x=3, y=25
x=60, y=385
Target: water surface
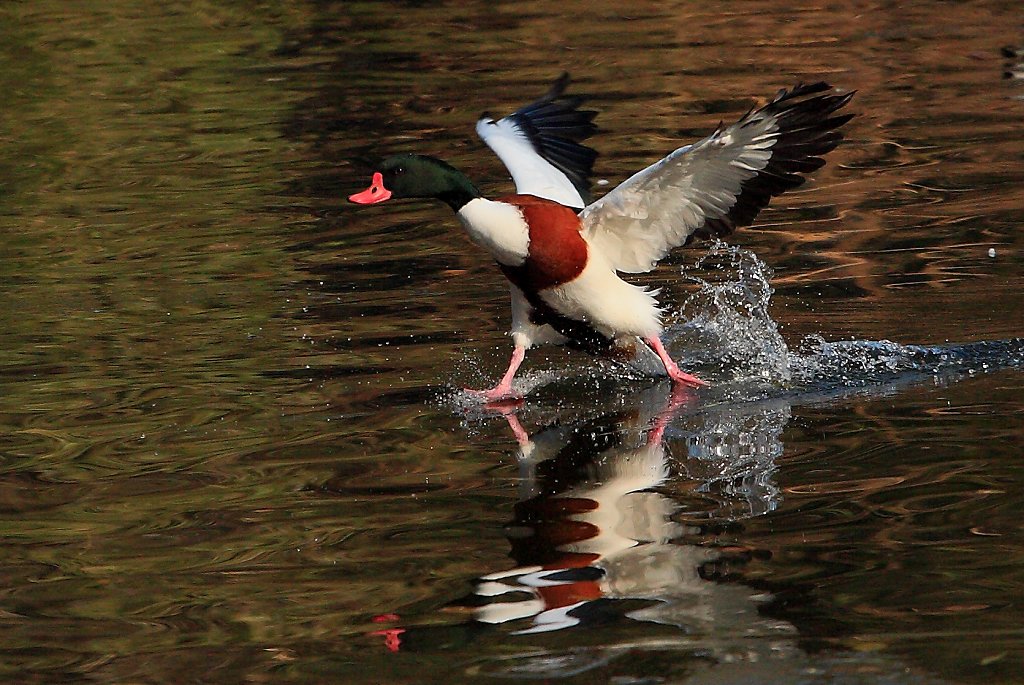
x=233, y=447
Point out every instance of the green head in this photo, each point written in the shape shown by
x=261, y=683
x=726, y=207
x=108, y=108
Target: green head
x=408, y=175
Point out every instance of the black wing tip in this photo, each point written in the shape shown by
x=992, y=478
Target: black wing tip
x=836, y=122
x=807, y=129
x=801, y=90
x=809, y=97
x=804, y=89
x=555, y=126
x=558, y=87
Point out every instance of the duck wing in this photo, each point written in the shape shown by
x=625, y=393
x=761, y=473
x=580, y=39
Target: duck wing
x=539, y=145
x=709, y=188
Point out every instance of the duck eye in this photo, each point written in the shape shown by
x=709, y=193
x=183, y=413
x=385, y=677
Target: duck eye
x=400, y=170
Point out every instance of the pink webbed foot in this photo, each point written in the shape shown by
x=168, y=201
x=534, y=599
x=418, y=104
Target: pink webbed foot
x=674, y=372
x=683, y=378
x=499, y=393
x=503, y=390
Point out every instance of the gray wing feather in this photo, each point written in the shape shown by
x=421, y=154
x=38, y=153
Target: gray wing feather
x=711, y=187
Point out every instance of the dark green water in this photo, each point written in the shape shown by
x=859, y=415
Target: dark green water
x=230, y=450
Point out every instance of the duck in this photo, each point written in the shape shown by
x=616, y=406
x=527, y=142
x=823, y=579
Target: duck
x=564, y=255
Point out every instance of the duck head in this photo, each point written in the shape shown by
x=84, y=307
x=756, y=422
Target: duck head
x=405, y=176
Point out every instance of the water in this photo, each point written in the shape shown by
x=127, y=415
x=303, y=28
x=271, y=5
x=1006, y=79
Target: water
x=232, y=450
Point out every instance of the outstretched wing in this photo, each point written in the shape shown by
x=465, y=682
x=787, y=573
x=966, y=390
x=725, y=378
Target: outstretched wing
x=709, y=188
x=539, y=144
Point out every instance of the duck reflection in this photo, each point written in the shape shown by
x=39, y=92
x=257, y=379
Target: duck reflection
x=596, y=534
x=592, y=530
x=616, y=534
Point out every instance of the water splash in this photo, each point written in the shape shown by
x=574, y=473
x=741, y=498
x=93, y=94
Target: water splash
x=728, y=326
x=862, y=362
x=729, y=332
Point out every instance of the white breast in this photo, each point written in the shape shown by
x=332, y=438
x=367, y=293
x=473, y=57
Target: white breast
x=497, y=227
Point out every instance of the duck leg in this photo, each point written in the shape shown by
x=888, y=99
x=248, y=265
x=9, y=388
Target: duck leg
x=503, y=389
x=673, y=371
